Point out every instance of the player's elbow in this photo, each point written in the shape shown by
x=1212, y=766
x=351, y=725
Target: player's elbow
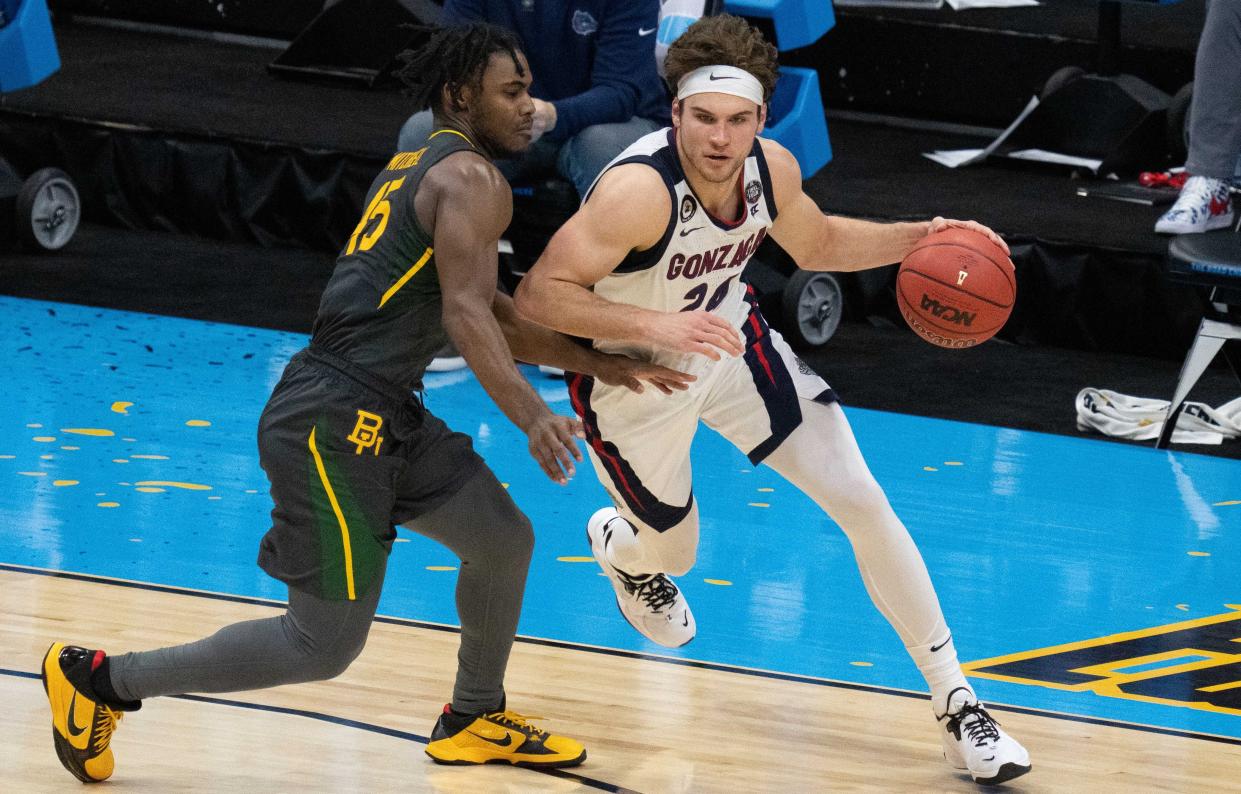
x=528, y=297
x=461, y=313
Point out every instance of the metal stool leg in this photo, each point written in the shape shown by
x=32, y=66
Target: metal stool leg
x=1210, y=338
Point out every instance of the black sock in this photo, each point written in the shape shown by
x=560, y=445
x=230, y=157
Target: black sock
x=454, y=713
x=101, y=682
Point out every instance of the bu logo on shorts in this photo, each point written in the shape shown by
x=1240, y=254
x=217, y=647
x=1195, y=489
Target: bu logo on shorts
x=366, y=432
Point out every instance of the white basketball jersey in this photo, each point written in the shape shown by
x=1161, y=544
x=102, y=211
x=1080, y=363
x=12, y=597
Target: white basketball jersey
x=698, y=262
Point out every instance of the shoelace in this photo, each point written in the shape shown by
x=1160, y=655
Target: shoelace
x=656, y=592
x=514, y=720
x=105, y=725
x=979, y=730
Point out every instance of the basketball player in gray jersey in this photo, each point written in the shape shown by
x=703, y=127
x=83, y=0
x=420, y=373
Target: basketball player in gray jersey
x=650, y=266
x=350, y=452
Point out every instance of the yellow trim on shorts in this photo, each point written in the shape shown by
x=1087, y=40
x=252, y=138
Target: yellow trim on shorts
x=340, y=517
x=400, y=282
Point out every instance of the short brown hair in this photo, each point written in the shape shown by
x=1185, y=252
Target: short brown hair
x=723, y=40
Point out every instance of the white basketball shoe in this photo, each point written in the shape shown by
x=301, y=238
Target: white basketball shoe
x=651, y=603
x=1205, y=204
x=974, y=741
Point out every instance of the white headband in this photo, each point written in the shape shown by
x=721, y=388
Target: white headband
x=721, y=80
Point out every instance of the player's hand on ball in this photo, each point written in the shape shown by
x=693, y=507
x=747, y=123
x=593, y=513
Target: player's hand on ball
x=630, y=373
x=695, y=332
x=553, y=444
x=939, y=224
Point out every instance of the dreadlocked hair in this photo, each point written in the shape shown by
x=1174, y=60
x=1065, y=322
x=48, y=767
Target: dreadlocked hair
x=454, y=57
x=722, y=40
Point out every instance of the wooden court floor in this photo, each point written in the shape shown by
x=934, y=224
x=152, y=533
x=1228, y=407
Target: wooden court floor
x=649, y=725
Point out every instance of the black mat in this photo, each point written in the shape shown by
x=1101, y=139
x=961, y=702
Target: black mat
x=880, y=172
x=208, y=88
x=1144, y=25
x=981, y=66
x=885, y=368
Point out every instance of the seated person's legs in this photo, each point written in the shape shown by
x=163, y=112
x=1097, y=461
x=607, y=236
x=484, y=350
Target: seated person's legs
x=584, y=155
x=1214, y=128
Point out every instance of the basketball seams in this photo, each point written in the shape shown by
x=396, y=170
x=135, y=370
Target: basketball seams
x=1008, y=272
x=914, y=272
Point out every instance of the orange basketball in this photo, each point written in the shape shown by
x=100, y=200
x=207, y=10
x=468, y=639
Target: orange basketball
x=956, y=288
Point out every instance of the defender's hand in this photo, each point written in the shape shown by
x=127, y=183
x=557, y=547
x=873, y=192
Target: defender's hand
x=553, y=445
x=939, y=224
x=695, y=332
x=544, y=119
x=617, y=370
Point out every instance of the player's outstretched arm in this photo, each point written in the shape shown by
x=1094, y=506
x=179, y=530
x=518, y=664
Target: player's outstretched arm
x=627, y=211
x=471, y=205
x=828, y=242
x=536, y=344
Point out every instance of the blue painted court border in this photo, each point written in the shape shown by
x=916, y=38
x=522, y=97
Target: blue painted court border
x=1061, y=529
x=724, y=668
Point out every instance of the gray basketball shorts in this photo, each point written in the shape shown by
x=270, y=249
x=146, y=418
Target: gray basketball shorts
x=349, y=456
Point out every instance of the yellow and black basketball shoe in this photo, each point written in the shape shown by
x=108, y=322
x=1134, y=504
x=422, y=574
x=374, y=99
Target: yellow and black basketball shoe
x=82, y=724
x=500, y=737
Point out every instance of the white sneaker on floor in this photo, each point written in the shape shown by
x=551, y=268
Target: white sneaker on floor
x=974, y=741
x=447, y=359
x=651, y=603
x=1205, y=204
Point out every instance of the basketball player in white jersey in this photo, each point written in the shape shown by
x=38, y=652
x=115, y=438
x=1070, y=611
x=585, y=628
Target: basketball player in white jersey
x=650, y=266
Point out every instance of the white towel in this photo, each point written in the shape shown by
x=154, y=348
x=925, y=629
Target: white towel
x=1141, y=419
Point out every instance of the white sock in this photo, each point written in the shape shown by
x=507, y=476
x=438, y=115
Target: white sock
x=941, y=670
x=623, y=549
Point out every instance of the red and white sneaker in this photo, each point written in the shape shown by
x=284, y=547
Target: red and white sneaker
x=1204, y=205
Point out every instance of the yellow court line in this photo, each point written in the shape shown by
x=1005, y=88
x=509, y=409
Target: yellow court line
x=344, y=528
x=973, y=668
x=426, y=255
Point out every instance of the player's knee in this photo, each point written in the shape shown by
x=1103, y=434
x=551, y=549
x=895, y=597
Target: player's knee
x=504, y=537
x=511, y=531
x=519, y=539
x=680, y=564
x=329, y=660
x=857, y=495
